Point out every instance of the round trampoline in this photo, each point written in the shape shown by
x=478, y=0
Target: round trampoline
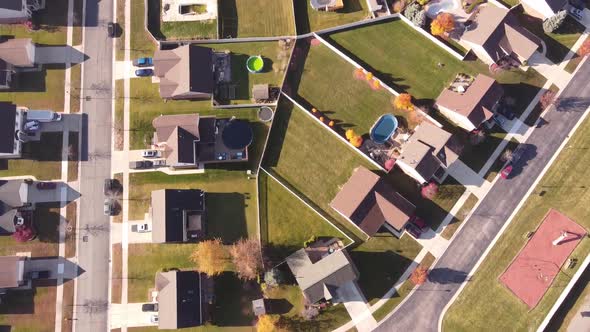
x=265, y=114
x=255, y=64
x=383, y=129
x=237, y=135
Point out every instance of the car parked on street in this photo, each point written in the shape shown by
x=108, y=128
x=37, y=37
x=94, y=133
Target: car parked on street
x=146, y=72
x=110, y=185
x=111, y=29
x=149, y=307
x=506, y=171
x=143, y=62
x=109, y=207
x=46, y=185
x=141, y=228
x=151, y=154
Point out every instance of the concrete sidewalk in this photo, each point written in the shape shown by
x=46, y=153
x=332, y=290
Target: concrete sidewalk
x=356, y=305
x=550, y=70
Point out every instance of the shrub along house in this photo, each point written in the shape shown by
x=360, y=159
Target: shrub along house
x=178, y=215
x=369, y=203
x=190, y=140
x=496, y=37
x=320, y=275
x=184, y=298
x=472, y=105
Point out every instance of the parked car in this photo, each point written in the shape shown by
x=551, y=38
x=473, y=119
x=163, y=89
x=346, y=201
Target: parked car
x=418, y=222
x=499, y=119
x=141, y=164
x=32, y=126
x=149, y=307
x=109, y=207
x=43, y=116
x=151, y=154
x=143, y=62
x=46, y=185
x=39, y=274
x=146, y=72
x=506, y=172
x=159, y=162
x=141, y=228
x=577, y=13
x=111, y=29
x=413, y=230
x=109, y=186
x=154, y=319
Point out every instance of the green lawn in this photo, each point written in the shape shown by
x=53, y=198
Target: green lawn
x=46, y=222
x=39, y=90
x=327, y=84
x=41, y=159
x=286, y=222
x=52, y=22
x=29, y=310
x=486, y=302
x=308, y=19
x=230, y=199
x=256, y=18
x=141, y=43
x=408, y=62
x=460, y=217
x=559, y=42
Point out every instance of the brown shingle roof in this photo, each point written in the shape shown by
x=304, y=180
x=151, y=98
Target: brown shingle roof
x=477, y=102
x=9, y=271
x=176, y=131
x=16, y=52
x=184, y=71
x=369, y=202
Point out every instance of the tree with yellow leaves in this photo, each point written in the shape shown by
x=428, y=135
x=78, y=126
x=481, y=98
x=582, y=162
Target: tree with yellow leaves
x=356, y=141
x=210, y=257
x=269, y=323
x=442, y=24
x=403, y=101
x=350, y=134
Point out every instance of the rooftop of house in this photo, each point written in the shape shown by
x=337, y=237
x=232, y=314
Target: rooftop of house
x=429, y=148
x=476, y=102
x=15, y=51
x=189, y=139
x=12, y=4
x=177, y=215
x=10, y=271
x=179, y=299
x=184, y=70
x=369, y=202
x=13, y=194
x=7, y=127
x=497, y=30
x=321, y=279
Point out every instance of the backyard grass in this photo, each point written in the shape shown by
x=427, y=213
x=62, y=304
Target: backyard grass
x=577, y=296
x=286, y=222
x=141, y=42
x=306, y=157
x=328, y=84
x=178, y=30
x=233, y=298
x=409, y=62
x=485, y=302
x=452, y=227
x=41, y=159
x=559, y=42
x=146, y=104
x=230, y=199
x=39, y=90
x=52, y=23
x=256, y=18
x=309, y=20
x=29, y=310
x=401, y=293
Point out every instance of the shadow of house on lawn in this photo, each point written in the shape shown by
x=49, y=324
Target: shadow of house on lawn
x=281, y=120
x=233, y=304
x=278, y=306
x=226, y=218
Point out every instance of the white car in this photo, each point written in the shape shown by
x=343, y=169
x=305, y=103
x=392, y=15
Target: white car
x=159, y=162
x=154, y=319
x=141, y=228
x=151, y=154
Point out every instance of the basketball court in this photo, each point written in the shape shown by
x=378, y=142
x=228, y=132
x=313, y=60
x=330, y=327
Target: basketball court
x=531, y=273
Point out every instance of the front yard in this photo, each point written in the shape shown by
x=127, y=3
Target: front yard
x=308, y=19
x=565, y=191
x=256, y=18
x=52, y=22
x=41, y=159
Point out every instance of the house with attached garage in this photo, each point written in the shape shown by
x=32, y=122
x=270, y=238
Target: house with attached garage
x=470, y=103
x=12, y=121
x=18, y=11
x=177, y=215
x=544, y=8
x=16, y=55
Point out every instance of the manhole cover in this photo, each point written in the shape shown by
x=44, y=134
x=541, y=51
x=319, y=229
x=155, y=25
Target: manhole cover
x=85, y=238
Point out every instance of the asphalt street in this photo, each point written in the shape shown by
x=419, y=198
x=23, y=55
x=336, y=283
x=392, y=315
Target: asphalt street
x=91, y=303
x=421, y=311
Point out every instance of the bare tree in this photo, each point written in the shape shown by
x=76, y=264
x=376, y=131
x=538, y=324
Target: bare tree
x=247, y=258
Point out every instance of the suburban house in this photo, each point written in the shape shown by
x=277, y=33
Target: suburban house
x=188, y=10
x=15, y=55
x=178, y=215
x=427, y=153
x=12, y=272
x=183, y=299
x=12, y=119
x=544, y=8
x=368, y=202
x=17, y=11
x=327, y=5
x=470, y=105
x=15, y=208
x=495, y=36
x=190, y=140
x=320, y=275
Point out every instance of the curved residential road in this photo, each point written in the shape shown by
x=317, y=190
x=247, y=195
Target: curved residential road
x=92, y=286
x=422, y=310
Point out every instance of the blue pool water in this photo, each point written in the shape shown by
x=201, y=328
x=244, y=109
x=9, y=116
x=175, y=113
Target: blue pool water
x=383, y=129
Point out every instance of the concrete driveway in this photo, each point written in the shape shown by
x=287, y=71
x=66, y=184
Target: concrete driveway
x=355, y=303
x=129, y=315
x=132, y=237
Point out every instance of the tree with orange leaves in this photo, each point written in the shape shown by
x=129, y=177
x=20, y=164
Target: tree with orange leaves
x=585, y=48
x=403, y=101
x=419, y=275
x=442, y=24
x=356, y=141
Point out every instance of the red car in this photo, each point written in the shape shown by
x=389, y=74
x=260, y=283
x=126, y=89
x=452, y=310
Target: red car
x=506, y=172
x=419, y=222
x=46, y=185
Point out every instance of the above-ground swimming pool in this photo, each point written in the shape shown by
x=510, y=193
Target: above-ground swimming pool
x=383, y=129
x=255, y=64
x=440, y=7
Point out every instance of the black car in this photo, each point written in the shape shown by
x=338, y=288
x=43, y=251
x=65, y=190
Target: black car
x=413, y=230
x=111, y=29
x=149, y=307
x=109, y=186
